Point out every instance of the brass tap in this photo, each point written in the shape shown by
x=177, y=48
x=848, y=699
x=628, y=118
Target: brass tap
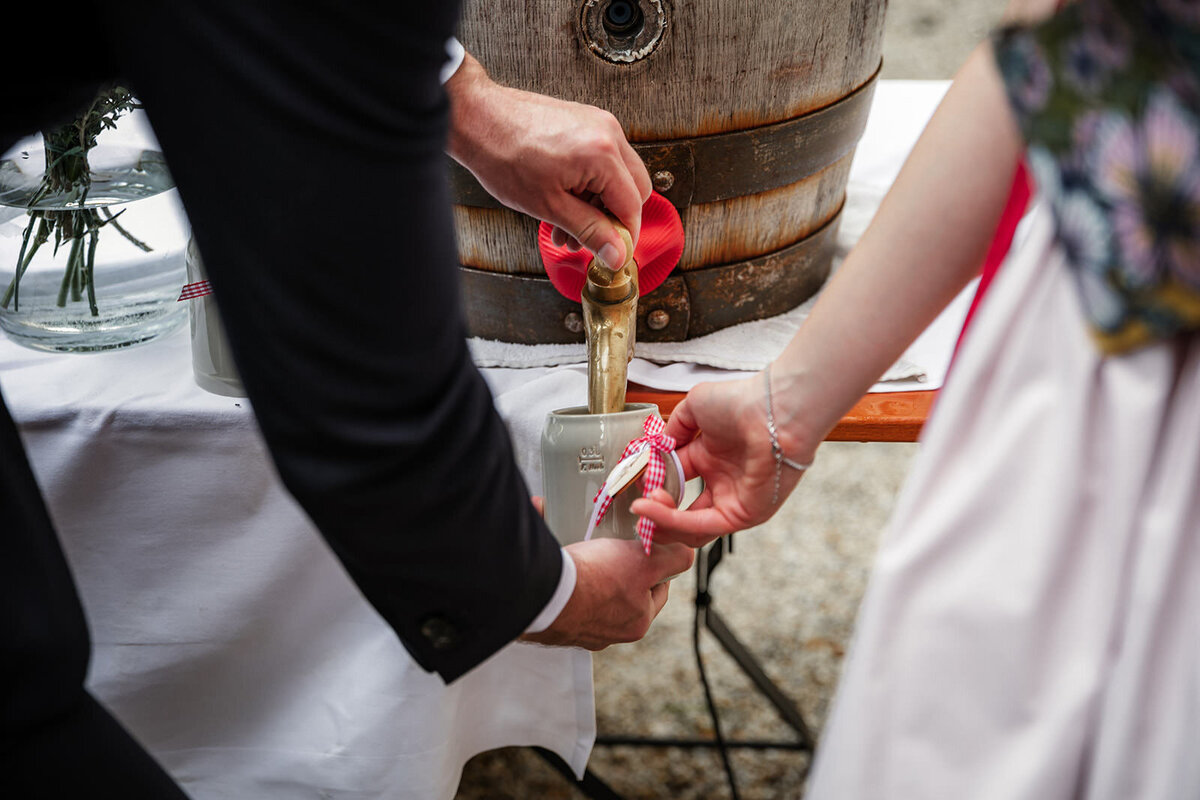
x=610, y=319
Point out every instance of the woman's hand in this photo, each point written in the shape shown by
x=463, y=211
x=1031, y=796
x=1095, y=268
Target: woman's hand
x=554, y=160
x=721, y=430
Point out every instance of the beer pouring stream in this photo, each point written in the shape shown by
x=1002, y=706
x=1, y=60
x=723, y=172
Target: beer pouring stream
x=610, y=321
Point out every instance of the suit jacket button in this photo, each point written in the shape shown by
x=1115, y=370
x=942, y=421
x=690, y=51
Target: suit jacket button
x=440, y=633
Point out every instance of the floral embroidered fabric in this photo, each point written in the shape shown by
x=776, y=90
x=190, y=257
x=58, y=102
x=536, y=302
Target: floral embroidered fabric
x=1107, y=94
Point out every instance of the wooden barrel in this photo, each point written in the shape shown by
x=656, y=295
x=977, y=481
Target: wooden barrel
x=746, y=114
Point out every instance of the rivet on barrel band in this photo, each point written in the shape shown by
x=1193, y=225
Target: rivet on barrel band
x=573, y=322
x=658, y=319
x=663, y=180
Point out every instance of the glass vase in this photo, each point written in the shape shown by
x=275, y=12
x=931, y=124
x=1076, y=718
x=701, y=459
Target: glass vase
x=96, y=273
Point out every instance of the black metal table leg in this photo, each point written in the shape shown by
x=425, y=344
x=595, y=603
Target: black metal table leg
x=590, y=784
x=782, y=703
x=706, y=562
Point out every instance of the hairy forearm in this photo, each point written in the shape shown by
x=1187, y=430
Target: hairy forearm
x=467, y=90
x=925, y=244
x=548, y=158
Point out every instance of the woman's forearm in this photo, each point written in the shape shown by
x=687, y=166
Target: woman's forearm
x=926, y=242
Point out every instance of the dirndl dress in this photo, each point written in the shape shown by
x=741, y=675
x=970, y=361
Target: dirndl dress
x=1031, y=629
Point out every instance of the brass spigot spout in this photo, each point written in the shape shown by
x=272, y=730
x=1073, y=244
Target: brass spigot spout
x=610, y=319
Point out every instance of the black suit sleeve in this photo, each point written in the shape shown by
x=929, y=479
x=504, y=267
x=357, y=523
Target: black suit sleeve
x=306, y=141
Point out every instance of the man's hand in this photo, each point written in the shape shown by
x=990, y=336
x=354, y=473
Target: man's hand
x=554, y=160
x=619, y=590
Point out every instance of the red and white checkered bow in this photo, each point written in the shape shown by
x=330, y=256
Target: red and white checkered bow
x=193, y=290
x=656, y=475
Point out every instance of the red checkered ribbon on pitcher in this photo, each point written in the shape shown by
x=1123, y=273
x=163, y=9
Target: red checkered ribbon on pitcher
x=658, y=443
x=194, y=290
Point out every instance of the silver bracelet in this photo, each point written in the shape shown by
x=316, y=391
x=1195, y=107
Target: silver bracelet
x=780, y=458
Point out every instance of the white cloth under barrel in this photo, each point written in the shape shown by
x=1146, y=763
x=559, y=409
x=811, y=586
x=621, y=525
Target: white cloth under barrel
x=227, y=637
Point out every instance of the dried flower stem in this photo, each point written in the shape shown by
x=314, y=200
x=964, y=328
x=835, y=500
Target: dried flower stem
x=68, y=175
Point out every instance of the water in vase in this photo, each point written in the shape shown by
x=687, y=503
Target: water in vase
x=113, y=286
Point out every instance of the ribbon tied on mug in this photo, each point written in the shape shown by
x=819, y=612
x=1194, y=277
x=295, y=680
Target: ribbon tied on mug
x=647, y=453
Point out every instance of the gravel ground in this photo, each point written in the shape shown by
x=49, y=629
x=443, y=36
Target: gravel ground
x=790, y=590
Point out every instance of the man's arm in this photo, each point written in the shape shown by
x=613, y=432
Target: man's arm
x=311, y=164
x=552, y=160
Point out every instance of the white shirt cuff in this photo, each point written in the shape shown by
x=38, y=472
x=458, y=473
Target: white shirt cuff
x=454, y=58
x=558, y=600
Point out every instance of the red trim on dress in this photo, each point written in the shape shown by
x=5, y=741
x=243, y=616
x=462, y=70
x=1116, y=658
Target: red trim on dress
x=1014, y=210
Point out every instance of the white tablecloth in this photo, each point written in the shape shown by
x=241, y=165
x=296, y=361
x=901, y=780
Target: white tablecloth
x=227, y=637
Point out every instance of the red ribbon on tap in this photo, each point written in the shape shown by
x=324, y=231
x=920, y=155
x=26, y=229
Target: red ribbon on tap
x=657, y=251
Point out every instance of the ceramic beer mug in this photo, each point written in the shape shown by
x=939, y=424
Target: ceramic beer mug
x=579, y=451
x=212, y=360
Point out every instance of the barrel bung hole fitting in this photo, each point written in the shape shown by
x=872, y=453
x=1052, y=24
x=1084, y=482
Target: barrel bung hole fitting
x=622, y=31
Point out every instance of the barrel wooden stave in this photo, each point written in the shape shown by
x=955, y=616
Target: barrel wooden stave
x=497, y=240
x=500, y=240
x=757, y=224
x=716, y=69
